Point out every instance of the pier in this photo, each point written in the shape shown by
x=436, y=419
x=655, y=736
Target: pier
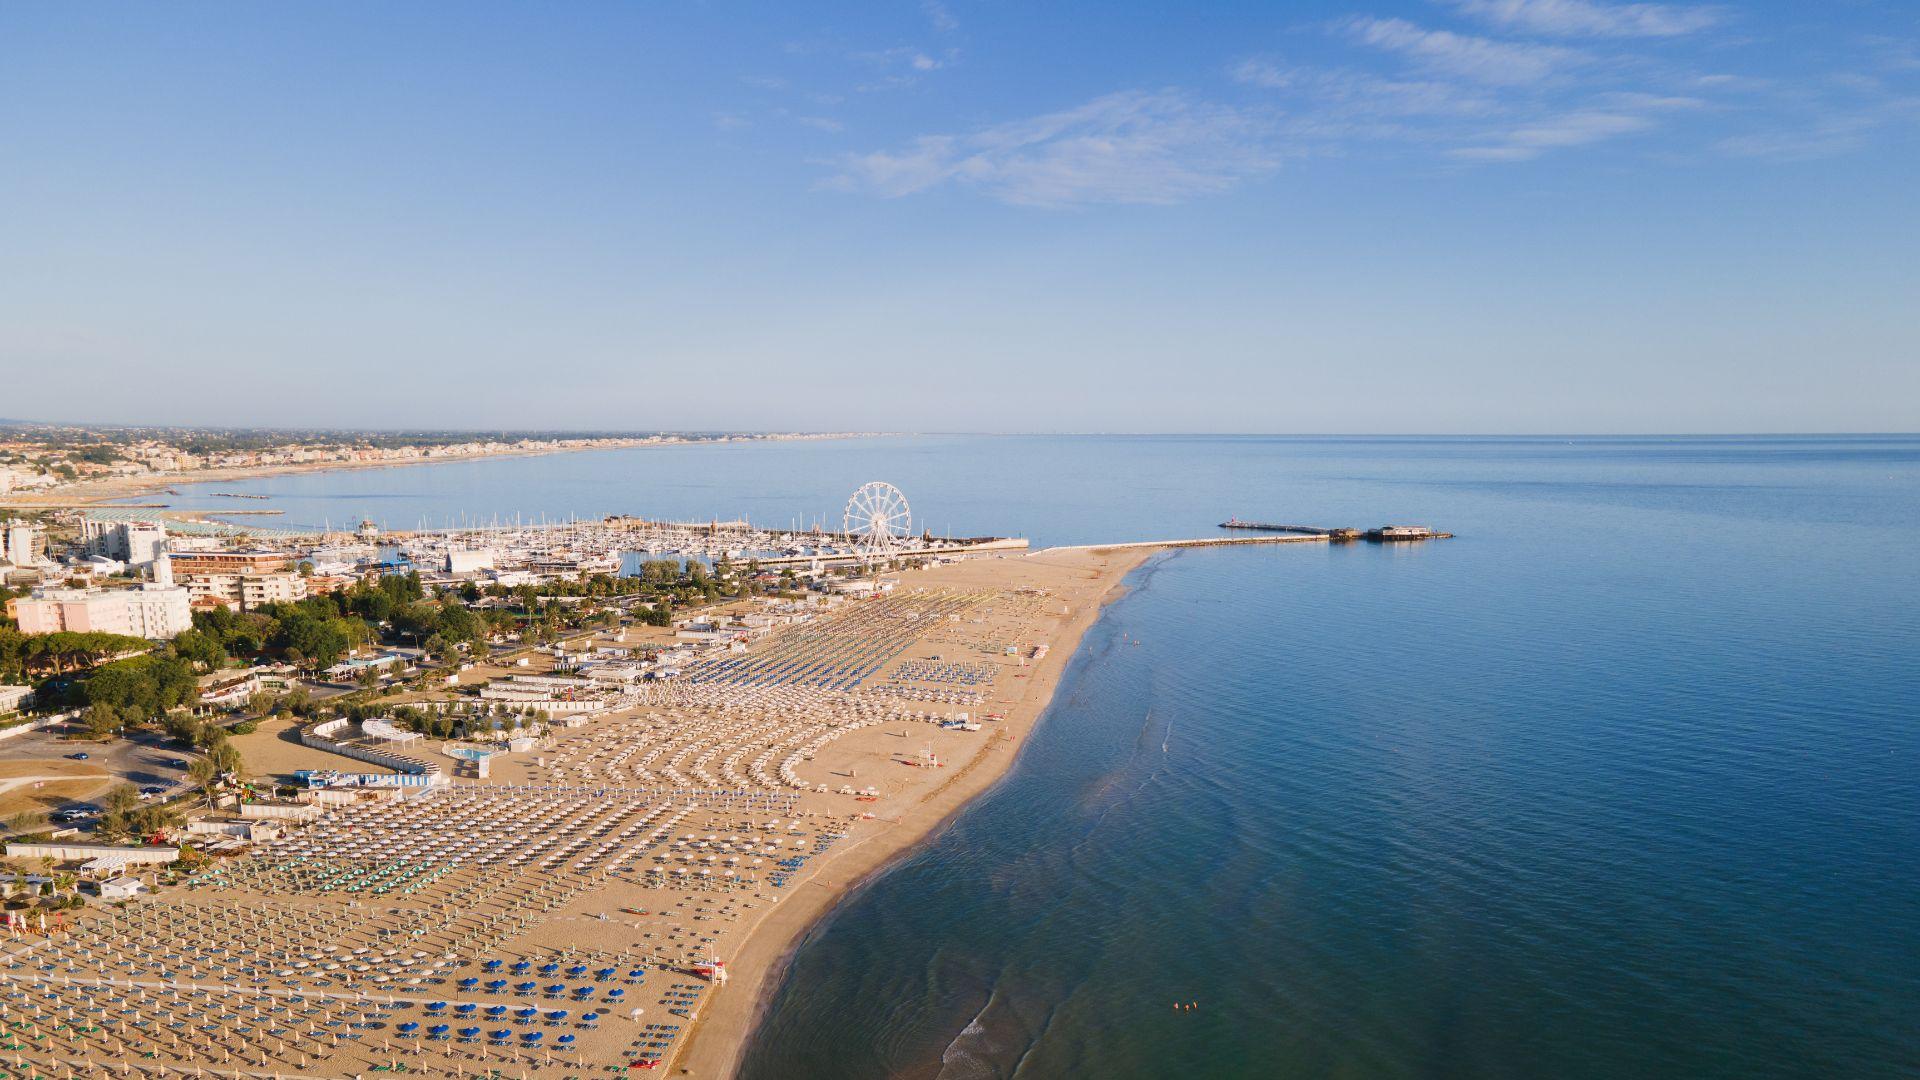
x=1282, y=534
x=1383, y=534
x=1261, y=526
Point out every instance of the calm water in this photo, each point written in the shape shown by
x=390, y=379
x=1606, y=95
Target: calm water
x=1619, y=783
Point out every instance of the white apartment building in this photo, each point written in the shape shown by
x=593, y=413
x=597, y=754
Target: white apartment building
x=136, y=543
x=248, y=590
x=20, y=543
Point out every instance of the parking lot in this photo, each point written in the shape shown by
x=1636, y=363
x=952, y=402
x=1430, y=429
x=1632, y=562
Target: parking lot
x=40, y=772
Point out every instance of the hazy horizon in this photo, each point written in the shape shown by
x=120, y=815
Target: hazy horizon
x=877, y=434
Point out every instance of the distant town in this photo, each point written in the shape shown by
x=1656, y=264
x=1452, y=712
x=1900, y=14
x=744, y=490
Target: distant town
x=42, y=461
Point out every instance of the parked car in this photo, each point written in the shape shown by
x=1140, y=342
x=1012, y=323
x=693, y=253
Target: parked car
x=81, y=756
x=177, y=763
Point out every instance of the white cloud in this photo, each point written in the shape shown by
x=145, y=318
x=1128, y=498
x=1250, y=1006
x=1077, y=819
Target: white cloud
x=1498, y=63
x=1554, y=132
x=1263, y=74
x=941, y=18
x=1125, y=148
x=1586, y=18
x=821, y=123
x=1825, y=138
x=1347, y=92
x=901, y=56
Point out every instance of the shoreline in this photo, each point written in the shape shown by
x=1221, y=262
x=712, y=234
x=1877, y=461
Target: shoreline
x=92, y=493
x=719, y=1036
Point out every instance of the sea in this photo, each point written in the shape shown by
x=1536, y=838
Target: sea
x=1622, y=781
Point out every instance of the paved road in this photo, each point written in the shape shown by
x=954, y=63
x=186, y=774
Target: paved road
x=140, y=758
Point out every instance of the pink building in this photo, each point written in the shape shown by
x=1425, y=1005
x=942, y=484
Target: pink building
x=151, y=611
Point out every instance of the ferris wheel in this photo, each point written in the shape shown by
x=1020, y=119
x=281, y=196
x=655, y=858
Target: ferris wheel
x=877, y=520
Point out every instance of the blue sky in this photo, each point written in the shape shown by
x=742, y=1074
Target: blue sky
x=1425, y=216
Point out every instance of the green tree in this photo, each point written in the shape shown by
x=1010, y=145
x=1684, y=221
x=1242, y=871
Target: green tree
x=118, y=805
x=200, y=648
x=201, y=773
x=101, y=720
x=226, y=757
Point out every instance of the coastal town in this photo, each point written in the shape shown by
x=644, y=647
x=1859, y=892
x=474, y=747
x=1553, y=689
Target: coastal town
x=526, y=799
x=55, y=464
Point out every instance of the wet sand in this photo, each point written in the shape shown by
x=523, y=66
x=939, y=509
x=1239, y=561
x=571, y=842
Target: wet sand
x=1085, y=580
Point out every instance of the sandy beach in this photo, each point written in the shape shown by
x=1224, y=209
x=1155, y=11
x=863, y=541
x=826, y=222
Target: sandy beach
x=1085, y=581
x=659, y=860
